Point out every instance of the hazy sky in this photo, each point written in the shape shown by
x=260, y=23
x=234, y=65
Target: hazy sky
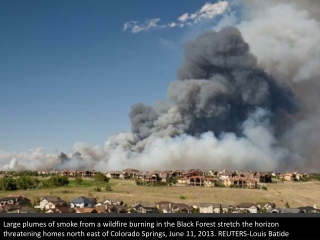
x=70, y=70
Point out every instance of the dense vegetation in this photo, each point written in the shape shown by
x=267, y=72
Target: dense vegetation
x=25, y=182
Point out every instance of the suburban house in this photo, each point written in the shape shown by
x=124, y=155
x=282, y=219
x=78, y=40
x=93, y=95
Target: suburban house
x=225, y=181
x=21, y=209
x=291, y=176
x=59, y=209
x=114, y=174
x=88, y=174
x=51, y=202
x=129, y=173
x=152, y=177
x=184, y=181
x=245, y=182
x=86, y=210
x=265, y=205
x=144, y=207
x=73, y=173
x=205, y=208
x=310, y=209
x=171, y=207
x=180, y=208
x=202, y=181
x=83, y=202
x=287, y=177
x=14, y=200
x=113, y=201
x=247, y=207
x=265, y=177
x=117, y=209
x=285, y=210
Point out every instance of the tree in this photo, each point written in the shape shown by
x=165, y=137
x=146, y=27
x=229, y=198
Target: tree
x=78, y=179
x=287, y=205
x=57, y=181
x=8, y=184
x=100, y=177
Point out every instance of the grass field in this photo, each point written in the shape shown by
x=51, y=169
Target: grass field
x=295, y=193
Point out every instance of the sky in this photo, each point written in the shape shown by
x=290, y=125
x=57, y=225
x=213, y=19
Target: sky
x=71, y=70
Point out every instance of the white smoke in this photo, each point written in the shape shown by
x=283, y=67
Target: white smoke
x=285, y=39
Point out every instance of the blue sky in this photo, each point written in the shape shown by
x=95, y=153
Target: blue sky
x=70, y=73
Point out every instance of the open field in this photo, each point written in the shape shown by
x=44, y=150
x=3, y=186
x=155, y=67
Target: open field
x=295, y=193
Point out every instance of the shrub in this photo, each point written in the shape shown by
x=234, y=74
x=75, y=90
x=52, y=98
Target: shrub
x=78, y=180
x=100, y=177
x=182, y=197
x=264, y=188
x=219, y=184
x=97, y=189
x=108, y=188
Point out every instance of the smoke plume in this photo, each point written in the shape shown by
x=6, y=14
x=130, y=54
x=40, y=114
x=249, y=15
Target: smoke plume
x=246, y=97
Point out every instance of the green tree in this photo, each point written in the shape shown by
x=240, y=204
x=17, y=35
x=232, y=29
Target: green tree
x=8, y=184
x=101, y=178
x=56, y=181
x=78, y=180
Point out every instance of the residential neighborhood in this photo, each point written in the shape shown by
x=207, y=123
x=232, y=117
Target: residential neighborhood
x=174, y=178
x=83, y=204
x=191, y=177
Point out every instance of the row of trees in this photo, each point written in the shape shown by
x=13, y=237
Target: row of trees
x=27, y=182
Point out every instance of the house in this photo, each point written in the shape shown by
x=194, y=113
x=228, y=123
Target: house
x=22, y=209
x=59, y=209
x=221, y=208
x=15, y=199
x=171, y=207
x=64, y=173
x=113, y=201
x=247, y=207
x=265, y=178
x=244, y=182
x=101, y=209
x=205, y=208
x=10, y=207
x=86, y=210
x=285, y=210
x=310, y=209
x=225, y=181
x=164, y=206
x=183, y=181
x=117, y=209
x=144, y=207
x=152, y=177
x=88, y=174
x=287, y=176
x=129, y=173
x=164, y=177
x=265, y=206
x=73, y=173
x=180, y=208
x=202, y=181
x=83, y=202
x=114, y=174
x=51, y=202
x=297, y=176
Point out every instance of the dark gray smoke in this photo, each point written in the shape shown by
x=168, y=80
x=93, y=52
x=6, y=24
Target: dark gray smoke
x=220, y=86
x=142, y=120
